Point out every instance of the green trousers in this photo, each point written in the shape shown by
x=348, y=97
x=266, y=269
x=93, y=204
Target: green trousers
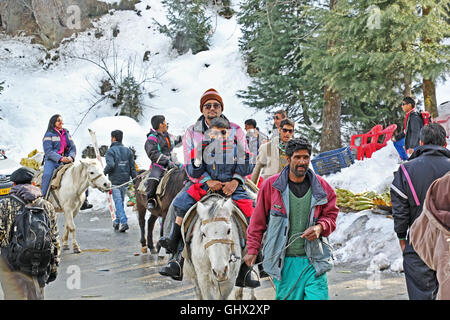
x=308, y=287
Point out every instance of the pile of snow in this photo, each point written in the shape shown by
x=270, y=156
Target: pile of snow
x=366, y=238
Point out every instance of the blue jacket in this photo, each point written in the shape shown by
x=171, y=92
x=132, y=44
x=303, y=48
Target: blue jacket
x=52, y=143
x=119, y=164
x=271, y=215
x=224, y=166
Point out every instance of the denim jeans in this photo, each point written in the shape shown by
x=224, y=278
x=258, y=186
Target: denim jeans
x=400, y=146
x=118, y=196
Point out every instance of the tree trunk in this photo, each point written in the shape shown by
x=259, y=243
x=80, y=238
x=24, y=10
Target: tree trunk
x=331, y=119
x=428, y=86
x=429, y=97
x=407, y=83
x=331, y=113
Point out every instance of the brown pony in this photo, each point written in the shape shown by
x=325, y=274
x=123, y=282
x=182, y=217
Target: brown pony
x=173, y=186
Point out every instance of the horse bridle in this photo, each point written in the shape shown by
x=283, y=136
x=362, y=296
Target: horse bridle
x=233, y=257
x=95, y=178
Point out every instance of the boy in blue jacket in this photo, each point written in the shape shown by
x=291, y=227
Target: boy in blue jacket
x=226, y=162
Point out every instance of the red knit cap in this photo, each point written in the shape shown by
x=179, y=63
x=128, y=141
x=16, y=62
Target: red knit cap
x=210, y=94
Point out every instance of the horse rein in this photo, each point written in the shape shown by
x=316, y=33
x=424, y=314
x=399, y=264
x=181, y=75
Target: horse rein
x=223, y=241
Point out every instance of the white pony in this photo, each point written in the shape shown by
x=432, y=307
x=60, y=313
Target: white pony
x=214, y=255
x=69, y=197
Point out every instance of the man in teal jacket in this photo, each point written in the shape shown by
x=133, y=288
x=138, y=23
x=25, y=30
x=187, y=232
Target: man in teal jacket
x=297, y=209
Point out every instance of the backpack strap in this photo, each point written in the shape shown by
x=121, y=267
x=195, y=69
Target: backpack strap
x=411, y=187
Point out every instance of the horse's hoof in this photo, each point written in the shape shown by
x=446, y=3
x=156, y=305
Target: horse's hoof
x=153, y=250
x=76, y=250
x=144, y=249
x=65, y=247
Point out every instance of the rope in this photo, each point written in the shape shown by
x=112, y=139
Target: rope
x=293, y=239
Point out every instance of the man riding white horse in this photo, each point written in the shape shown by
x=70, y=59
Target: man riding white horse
x=225, y=160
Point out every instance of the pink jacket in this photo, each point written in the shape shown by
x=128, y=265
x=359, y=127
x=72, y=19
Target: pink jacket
x=430, y=233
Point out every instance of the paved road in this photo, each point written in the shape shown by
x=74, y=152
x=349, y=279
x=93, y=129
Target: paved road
x=112, y=267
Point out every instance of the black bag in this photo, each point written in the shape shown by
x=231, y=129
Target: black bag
x=30, y=248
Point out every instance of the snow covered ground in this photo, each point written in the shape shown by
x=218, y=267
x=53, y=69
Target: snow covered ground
x=33, y=94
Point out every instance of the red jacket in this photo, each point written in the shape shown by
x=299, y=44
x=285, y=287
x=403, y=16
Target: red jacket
x=273, y=198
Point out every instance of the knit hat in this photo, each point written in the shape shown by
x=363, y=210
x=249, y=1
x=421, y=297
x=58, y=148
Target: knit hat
x=210, y=94
x=22, y=175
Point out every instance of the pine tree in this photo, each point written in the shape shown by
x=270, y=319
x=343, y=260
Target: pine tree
x=188, y=27
x=273, y=33
x=379, y=52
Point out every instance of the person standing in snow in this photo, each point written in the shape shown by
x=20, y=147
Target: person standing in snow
x=297, y=209
x=427, y=163
x=119, y=168
x=408, y=140
x=430, y=234
x=59, y=149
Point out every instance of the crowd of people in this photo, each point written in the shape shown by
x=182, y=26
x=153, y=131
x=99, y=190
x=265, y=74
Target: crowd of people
x=288, y=224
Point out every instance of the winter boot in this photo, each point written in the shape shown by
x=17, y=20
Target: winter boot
x=174, y=268
x=124, y=228
x=152, y=185
x=244, y=278
x=170, y=243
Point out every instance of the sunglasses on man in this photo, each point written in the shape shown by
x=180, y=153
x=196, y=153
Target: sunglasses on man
x=287, y=130
x=212, y=105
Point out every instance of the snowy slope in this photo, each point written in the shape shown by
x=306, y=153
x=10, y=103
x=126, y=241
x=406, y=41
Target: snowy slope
x=32, y=95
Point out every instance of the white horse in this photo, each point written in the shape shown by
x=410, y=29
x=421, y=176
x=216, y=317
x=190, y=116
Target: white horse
x=215, y=252
x=69, y=197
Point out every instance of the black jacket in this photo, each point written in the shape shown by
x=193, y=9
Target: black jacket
x=426, y=164
x=414, y=124
x=119, y=164
x=159, y=147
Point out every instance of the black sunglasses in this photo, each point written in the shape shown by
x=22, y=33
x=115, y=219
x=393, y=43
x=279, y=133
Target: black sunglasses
x=287, y=130
x=210, y=105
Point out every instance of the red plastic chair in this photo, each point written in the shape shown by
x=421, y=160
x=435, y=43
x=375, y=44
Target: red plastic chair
x=360, y=141
x=375, y=143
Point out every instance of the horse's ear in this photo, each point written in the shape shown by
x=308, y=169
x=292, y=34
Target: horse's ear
x=83, y=162
x=201, y=210
x=229, y=206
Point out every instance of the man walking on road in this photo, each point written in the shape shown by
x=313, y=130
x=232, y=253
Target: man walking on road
x=120, y=167
x=297, y=209
x=428, y=162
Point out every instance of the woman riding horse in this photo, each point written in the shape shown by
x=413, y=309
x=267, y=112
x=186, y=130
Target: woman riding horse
x=59, y=148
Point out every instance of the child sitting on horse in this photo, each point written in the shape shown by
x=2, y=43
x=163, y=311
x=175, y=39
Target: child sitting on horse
x=226, y=162
x=158, y=147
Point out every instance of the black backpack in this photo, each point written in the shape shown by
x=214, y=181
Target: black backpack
x=30, y=248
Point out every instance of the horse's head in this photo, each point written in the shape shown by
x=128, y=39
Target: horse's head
x=216, y=233
x=95, y=174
